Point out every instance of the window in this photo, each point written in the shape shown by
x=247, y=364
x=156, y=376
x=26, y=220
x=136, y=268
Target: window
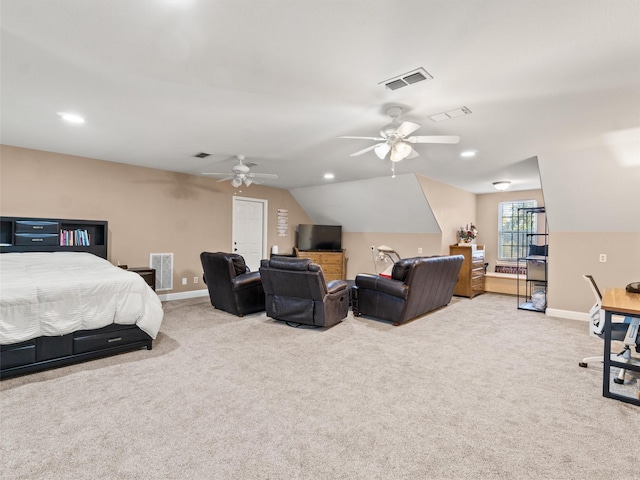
x=511, y=227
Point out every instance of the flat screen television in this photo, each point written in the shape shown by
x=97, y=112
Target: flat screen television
x=319, y=237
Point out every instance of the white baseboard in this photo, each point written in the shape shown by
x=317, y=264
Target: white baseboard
x=167, y=297
x=554, y=312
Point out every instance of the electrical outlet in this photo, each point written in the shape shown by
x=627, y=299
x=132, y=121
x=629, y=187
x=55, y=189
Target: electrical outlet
x=419, y=249
x=603, y=257
x=195, y=279
x=184, y=281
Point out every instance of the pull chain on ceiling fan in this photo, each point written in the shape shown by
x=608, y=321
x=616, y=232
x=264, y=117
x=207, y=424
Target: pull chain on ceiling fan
x=396, y=139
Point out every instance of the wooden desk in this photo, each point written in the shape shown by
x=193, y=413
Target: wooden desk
x=617, y=301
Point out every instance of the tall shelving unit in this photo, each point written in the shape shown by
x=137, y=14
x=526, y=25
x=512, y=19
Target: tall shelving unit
x=533, y=238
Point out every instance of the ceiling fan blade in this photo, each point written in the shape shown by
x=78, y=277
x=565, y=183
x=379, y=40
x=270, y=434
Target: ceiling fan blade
x=407, y=128
x=229, y=177
x=434, y=139
x=413, y=154
x=365, y=150
x=377, y=139
x=262, y=175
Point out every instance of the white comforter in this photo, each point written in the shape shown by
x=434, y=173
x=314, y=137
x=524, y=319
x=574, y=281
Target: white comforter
x=60, y=292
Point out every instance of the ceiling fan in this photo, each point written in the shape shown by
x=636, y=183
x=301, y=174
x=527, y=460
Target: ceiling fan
x=241, y=174
x=396, y=139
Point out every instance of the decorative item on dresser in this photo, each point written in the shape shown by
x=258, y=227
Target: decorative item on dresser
x=333, y=264
x=471, y=280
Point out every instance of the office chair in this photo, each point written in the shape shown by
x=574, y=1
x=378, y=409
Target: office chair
x=626, y=332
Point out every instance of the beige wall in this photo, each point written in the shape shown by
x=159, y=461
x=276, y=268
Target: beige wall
x=487, y=207
x=573, y=254
x=358, y=246
x=452, y=208
x=148, y=210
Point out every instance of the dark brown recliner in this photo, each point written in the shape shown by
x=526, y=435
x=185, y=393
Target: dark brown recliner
x=296, y=292
x=417, y=286
x=231, y=287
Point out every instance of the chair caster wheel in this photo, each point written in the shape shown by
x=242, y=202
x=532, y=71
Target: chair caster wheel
x=618, y=381
x=582, y=364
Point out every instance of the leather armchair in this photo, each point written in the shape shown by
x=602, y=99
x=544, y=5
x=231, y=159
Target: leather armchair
x=417, y=286
x=296, y=291
x=232, y=287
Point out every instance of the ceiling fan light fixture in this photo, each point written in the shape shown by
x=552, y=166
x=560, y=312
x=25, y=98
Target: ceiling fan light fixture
x=400, y=151
x=236, y=182
x=248, y=181
x=502, y=185
x=382, y=150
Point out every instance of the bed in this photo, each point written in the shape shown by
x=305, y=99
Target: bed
x=58, y=308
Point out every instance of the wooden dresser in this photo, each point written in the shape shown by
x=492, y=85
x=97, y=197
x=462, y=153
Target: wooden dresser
x=471, y=280
x=333, y=264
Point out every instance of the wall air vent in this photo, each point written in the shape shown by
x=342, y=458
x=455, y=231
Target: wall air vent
x=202, y=155
x=406, y=79
x=163, y=264
x=458, y=112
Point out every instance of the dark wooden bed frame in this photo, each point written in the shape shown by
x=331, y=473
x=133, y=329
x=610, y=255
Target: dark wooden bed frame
x=44, y=352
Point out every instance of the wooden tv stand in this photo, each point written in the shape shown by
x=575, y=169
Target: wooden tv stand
x=333, y=264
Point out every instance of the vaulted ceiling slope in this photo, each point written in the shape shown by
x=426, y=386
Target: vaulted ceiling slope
x=279, y=81
x=375, y=205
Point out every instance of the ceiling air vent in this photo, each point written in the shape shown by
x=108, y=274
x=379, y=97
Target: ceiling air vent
x=457, y=112
x=406, y=79
x=202, y=155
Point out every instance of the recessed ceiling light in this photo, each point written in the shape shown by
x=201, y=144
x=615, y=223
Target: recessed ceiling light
x=329, y=176
x=468, y=153
x=71, y=117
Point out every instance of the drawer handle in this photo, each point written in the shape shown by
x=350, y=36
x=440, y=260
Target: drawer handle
x=36, y=239
x=38, y=227
x=117, y=339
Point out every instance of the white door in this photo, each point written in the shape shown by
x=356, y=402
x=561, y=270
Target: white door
x=250, y=230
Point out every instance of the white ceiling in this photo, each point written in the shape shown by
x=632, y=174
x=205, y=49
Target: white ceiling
x=279, y=80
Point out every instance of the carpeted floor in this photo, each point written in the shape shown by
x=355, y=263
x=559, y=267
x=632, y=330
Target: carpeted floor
x=477, y=390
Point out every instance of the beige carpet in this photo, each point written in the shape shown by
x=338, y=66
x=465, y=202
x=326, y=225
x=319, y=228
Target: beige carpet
x=477, y=390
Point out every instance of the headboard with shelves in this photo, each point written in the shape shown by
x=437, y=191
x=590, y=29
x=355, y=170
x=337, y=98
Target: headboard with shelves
x=23, y=234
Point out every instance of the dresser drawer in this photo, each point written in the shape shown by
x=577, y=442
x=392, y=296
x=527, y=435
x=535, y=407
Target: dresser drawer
x=48, y=348
x=331, y=259
x=108, y=337
x=331, y=269
x=22, y=353
x=314, y=257
x=477, y=264
x=45, y=239
x=33, y=226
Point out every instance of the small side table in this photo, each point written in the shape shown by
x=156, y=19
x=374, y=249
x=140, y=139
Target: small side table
x=149, y=275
